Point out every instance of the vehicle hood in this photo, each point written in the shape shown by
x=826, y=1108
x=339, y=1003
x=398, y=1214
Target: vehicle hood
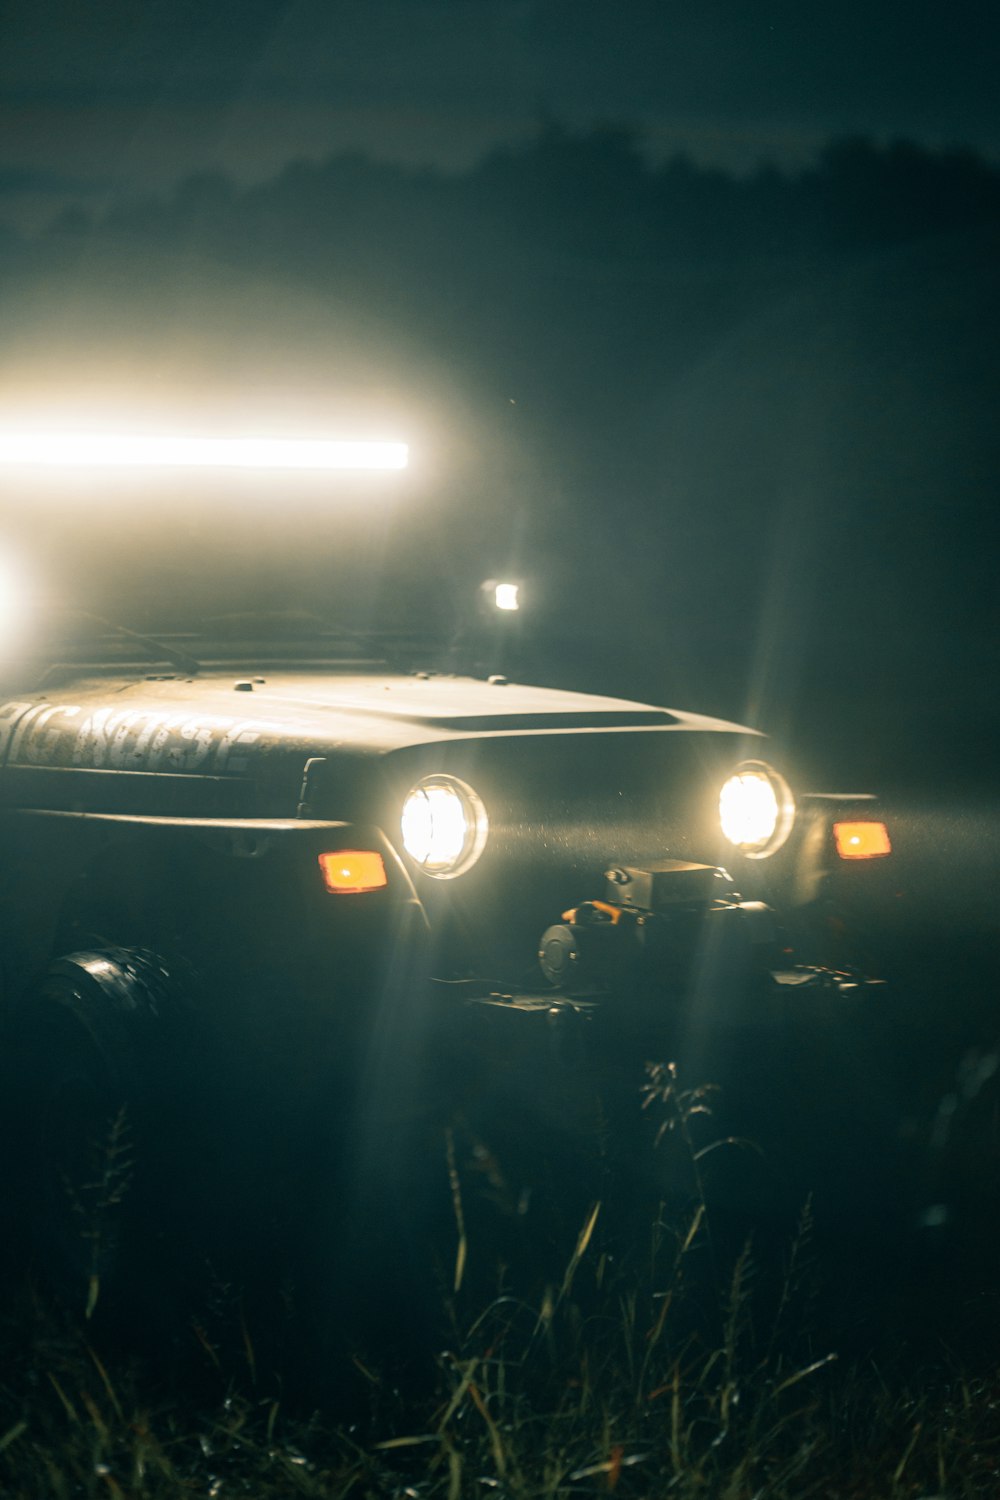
x=216, y=723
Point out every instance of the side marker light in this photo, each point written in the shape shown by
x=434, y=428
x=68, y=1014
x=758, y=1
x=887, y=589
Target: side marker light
x=862, y=840
x=348, y=872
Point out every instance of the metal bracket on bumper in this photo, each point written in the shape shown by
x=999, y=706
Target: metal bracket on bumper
x=671, y=924
x=621, y=961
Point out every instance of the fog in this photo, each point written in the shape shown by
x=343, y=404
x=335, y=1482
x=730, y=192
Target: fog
x=736, y=434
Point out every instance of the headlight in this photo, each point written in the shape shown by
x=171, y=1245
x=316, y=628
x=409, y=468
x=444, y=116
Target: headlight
x=756, y=809
x=444, y=826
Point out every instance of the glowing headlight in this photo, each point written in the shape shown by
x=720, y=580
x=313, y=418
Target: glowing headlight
x=756, y=809
x=444, y=826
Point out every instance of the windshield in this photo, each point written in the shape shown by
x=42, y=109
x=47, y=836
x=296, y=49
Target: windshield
x=321, y=568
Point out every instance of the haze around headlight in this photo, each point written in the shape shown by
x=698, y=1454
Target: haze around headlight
x=14, y=602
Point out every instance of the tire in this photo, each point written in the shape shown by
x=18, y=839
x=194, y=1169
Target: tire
x=92, y=1056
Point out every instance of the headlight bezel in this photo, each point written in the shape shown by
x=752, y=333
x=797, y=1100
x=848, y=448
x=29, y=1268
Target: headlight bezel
x=764, y=844
x=452, y=860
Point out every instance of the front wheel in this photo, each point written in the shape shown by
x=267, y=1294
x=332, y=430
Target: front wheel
x=89, y=1073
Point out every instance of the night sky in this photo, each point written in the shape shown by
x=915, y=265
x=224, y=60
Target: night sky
x=124, y=96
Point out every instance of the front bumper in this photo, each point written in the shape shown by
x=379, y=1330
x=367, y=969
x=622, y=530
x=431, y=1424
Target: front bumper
x=700, y=977
x=670, y=929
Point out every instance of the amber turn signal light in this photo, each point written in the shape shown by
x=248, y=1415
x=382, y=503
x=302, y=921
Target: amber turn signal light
x=862, y=840
x=350, y=871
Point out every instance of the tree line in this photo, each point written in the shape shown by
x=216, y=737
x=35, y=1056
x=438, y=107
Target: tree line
x=591, y=192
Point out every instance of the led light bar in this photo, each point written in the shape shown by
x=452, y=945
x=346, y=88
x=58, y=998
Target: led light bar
x=72, y=450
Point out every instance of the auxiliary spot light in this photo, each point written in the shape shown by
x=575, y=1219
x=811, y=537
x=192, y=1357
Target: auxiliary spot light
x=506, y=596
x=496, y=594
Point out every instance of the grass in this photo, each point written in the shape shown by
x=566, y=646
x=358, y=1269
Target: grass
x=677, y=1360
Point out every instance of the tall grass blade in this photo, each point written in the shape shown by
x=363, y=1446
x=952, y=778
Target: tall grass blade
x=12, y=1434
x=106, y=1382
x=68, y=1406
x=454, y=1473
x=908, y=1453
x=583, y=1240
x=817, y=1364
x=456, y=1201
x=248, y=1348
x=459, y=1394
x=496, y=1442
x=408, y=1442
